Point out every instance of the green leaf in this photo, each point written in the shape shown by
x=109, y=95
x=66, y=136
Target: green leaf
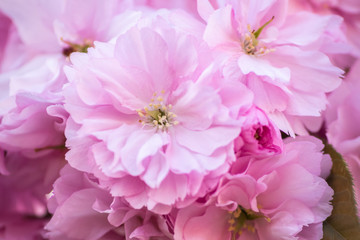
x=330, y=233
x=343, y=224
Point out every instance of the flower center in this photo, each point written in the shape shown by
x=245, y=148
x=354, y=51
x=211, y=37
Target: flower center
x=157, y=114
x=241, y=219
x=250, y=43
x=73, y=47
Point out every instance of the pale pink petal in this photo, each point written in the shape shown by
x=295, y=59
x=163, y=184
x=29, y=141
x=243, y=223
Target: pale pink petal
x=205, y=9
x=220, y=28
x=262, y=67
x=138, y=49
x=302, y=34
x=201, y=223
x=30, y=18
x=202, y=141
x=192, y=99
x=156, y=171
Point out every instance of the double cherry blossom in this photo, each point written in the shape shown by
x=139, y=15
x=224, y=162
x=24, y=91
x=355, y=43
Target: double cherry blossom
x=168, y=118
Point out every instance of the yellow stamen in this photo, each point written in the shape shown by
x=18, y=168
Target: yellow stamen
x=157, y=114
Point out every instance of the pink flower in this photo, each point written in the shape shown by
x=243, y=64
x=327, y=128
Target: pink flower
x=27, y=93
x=259, y=137
x=140, y=223
x=59, y=22
x=62, y=27
x=278, y=197
x=214, y=219
x=167, y=130
x=76, y=208
x=340, y=39
x=83, y=22
x=28, y=126
x=24, y=183
x=83, y=210
x=28, y=179
x=31, y=68
x=256, y=42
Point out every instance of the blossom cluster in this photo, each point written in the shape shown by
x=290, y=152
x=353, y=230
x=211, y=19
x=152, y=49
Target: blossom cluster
x=175, y=119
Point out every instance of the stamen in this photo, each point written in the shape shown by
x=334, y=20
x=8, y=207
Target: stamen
x=242, y=219
x=157, y=114
x=250, y=42
x=73, y=47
